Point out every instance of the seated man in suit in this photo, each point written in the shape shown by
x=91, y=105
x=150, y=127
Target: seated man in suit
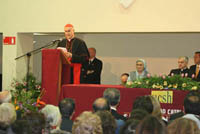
x=94, y=68
x=182, y=67
x=113, y=97
x=76, y=49
x=67, y=107
x=194, y=69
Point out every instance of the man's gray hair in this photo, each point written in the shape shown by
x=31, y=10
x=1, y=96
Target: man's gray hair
x=7, y=114
x=5, y=96
x=112, y=95
x=186, y=59
x=52, y=115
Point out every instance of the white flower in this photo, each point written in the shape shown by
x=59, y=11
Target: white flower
x=129, y=83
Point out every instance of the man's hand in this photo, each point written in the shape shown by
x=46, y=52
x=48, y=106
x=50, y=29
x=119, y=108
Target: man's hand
x=69, y=54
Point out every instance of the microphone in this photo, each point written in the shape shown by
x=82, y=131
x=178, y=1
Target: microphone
x=58, y=40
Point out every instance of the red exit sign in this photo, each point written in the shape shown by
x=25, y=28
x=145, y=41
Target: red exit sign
x=9, y=40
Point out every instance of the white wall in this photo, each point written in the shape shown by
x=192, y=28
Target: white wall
x=29, y=16
x=99, y=15
x=119, y=52
x=1, y=51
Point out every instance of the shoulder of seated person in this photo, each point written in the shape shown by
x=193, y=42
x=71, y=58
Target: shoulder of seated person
x=192, y=66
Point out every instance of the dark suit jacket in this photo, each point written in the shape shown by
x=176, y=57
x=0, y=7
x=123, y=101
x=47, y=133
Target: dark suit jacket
x=193, y=71
x=94, y=78
x=66, y=125
x=80, y=52
x=117, y=115
x=179, y=71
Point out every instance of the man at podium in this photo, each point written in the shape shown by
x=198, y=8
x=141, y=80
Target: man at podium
x=75, y=48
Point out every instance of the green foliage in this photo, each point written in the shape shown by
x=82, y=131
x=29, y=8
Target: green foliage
x=165, y=82
x=25, y=96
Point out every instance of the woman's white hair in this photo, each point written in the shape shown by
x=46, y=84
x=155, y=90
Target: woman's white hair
x=5, y=96
x=7, y=114
x=52, y=115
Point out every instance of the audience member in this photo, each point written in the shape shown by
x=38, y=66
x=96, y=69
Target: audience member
x=108, y=122
x=87, y=123
x=183, y=126
x=113, y=97
x=5, y=96
x=130, y=127
x=192, y=107
x=31, y=123
x=138, y=114
x=7, y=117
x=67, y=107
x=149, y=104
x=101, y=104
x=151, y=125
x=53, y=119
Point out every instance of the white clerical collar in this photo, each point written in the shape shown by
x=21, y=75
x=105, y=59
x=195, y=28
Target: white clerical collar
x=91, y=60
x=183, y=68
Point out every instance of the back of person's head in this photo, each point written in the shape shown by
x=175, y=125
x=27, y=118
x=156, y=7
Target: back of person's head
x=125, y=74
x=107, y=121
x=149, y=104
x=5, y=96
x=7, y=114
x=112, y=95
x=156, y=107
x=67, y=107
x=151, y=125
x=129, y=127
x=32, y=123
x=138, y=114
x=52, y=115
x=192, y=103
x=87, y=123
x=144, y=103
x=183, y=126
x=101, y=104
x=21, y=127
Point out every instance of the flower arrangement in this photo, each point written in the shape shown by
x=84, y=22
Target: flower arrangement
x=26, y=98
x=178, y=82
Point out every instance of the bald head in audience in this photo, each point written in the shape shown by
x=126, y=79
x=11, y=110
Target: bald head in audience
x=101, y=104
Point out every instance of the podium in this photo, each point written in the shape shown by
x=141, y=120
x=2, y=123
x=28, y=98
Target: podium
x=56, y=72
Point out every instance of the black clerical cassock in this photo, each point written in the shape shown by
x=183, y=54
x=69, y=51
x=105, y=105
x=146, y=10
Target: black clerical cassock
x=79, y=51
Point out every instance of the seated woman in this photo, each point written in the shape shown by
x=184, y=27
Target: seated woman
x=141, y=71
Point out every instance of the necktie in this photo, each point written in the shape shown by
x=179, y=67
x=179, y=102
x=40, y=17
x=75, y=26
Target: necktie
x=197, y=71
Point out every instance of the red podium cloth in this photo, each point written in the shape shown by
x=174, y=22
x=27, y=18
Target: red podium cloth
x=84, y=96
x=55, y=73
x=77, y=72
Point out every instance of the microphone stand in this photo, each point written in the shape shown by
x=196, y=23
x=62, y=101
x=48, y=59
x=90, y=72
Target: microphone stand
x=28, y=55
